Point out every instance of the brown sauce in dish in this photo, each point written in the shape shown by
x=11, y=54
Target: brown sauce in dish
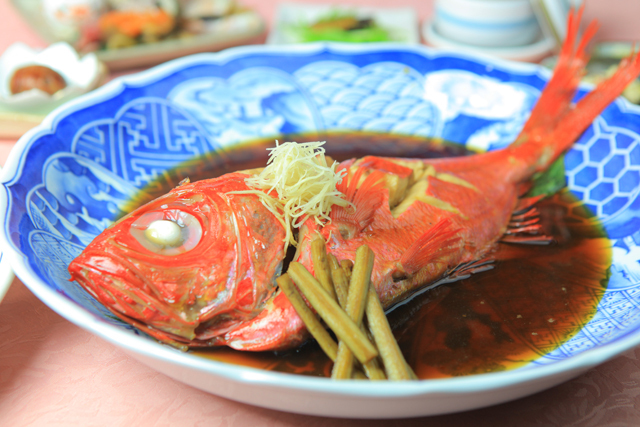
x=533, y=300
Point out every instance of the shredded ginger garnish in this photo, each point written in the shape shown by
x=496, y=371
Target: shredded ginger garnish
x=297, y=184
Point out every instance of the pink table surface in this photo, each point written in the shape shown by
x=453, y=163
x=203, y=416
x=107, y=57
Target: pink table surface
x=53, y=373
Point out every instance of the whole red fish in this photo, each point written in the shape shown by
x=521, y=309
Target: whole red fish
x=424, y=220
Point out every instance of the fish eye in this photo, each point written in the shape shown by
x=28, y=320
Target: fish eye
x=167, y=232
x=164, y=232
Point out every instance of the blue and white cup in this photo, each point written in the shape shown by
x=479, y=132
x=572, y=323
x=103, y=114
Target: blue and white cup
x=487, y=23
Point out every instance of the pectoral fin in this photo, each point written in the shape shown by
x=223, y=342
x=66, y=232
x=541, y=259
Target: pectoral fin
x=434, y=246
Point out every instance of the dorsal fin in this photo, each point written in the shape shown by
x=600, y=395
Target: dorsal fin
x=385, y=165
x=436, y=243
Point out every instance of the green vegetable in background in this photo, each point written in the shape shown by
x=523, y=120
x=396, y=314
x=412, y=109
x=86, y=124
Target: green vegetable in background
x=342, y=26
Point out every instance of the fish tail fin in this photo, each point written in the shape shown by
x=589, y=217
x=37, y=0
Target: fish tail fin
x=556, y=98
x=556, y=122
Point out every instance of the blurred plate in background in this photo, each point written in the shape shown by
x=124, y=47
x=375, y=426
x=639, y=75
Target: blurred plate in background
x=243, y=27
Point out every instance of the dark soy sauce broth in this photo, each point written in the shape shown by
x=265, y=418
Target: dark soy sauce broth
x=534, y=299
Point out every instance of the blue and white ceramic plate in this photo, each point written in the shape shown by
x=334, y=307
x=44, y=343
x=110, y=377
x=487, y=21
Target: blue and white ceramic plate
x=67, y=180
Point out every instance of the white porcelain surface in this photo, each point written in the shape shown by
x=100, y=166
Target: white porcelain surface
x=488, y=23
x=532, y=52
x=80, y=75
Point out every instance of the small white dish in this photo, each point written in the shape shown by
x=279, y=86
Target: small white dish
x=80, y=75
x=22, y=111
x=533, y=52
x=401, y=23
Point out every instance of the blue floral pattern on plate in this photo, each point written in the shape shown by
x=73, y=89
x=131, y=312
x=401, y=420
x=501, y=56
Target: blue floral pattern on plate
x=70, y=180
